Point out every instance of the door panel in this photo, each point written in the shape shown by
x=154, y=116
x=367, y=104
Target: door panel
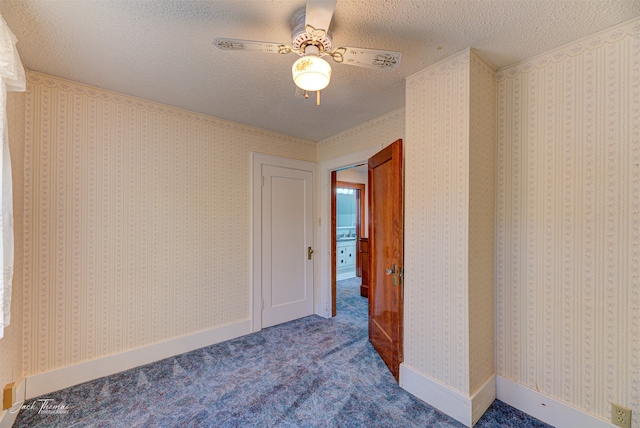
x=287, y=228
x=386, y=240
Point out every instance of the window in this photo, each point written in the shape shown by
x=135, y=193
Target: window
x=12, y=78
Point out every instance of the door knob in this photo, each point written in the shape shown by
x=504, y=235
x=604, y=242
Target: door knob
x=393, y=271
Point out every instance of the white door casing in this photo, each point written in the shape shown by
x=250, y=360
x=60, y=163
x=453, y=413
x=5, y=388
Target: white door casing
x=323, y=307
x=282, y=233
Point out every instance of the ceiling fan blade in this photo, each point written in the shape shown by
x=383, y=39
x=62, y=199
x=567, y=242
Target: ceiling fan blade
x=369, y=58
x=319, y=13
x=251, y=46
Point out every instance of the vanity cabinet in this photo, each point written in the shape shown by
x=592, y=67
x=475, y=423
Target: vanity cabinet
x=346, y=254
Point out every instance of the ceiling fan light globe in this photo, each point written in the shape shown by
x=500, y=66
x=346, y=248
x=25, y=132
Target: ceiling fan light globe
x=311, y=73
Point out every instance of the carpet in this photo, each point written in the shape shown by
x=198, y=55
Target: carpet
x=311, y=372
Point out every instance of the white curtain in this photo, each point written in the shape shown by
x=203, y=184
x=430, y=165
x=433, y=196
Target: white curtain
x=12, y=78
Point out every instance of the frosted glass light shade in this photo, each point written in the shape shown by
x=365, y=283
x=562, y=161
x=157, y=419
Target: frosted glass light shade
x=311, y=73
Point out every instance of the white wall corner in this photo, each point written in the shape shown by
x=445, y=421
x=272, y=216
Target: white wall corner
x=545, y=408
x=8, y=417
x=465, y=409
x=322, y=309
x=64, y=377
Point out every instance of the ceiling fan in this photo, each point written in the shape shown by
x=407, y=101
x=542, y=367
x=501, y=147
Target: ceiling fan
x=311, y=40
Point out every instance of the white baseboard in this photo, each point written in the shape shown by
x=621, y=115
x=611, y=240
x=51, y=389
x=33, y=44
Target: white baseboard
x=545, y=408
x=483, y=398
x=54, y=380
x=8, y=417
x=465, y=409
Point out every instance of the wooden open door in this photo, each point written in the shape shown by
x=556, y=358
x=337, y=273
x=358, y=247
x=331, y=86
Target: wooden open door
x=386, y=240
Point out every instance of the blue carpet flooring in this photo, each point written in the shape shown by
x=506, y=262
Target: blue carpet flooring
x=312, y=372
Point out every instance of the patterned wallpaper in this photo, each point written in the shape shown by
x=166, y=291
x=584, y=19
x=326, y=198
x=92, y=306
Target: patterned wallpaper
x=136, y=221
x=382, y=130
x=436, y=177
x=482, y=156
x=568, y=223
x=445, y=225
x=11, y=344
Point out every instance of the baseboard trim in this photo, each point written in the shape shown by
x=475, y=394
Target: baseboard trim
x=465, y=409
x=64, y=377
x=483, y=398
x=8, y=417
x=545, y=408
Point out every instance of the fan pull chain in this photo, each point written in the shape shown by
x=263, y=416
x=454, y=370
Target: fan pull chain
x=306, y=96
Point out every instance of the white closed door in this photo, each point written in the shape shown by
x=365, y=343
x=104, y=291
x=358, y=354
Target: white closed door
x=287, y=236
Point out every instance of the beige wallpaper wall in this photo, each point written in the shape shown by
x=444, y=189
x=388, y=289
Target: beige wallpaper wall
x=136, y=221
x=11, y=368
x=382, y=130
x=482, y=156
x=448, y=230
x=568, y=217
x=436, y=208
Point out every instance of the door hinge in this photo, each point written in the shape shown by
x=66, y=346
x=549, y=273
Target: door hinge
x=262, y=181
x=262, y=303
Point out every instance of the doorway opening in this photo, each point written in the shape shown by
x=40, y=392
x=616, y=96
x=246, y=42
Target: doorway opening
x=328, y=179
x=349, y=230
x=386, y=230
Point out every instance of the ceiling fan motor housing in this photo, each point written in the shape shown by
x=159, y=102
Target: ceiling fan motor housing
x=300, y=38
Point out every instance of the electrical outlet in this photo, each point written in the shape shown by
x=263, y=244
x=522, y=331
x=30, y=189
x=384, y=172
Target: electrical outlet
x=620, y=416
x=8, y=395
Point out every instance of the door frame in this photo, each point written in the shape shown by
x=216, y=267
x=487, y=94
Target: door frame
x=257, y=160
x=360, y=196
x=324, y=306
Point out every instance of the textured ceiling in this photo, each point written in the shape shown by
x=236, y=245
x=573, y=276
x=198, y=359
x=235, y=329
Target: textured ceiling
x=162, y=50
